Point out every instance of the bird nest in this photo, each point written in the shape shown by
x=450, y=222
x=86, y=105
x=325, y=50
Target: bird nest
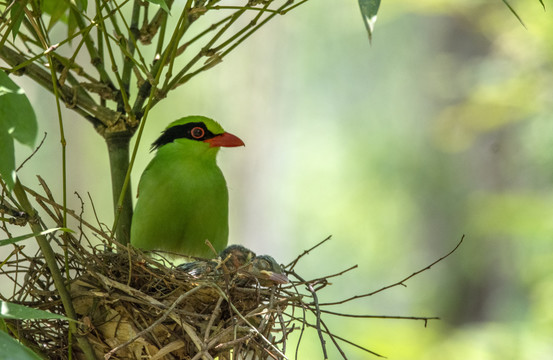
x=134, y=307
x=131, y=306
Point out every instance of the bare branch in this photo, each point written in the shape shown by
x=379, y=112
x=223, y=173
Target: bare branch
x=401, y=282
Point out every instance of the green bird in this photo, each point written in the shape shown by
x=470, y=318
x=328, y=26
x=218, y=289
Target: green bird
x=182, y=194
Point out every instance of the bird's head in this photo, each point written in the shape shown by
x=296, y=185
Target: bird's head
x=267, y=271
x=198, y=129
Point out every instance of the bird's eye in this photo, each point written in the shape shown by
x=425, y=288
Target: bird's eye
x=197, y=132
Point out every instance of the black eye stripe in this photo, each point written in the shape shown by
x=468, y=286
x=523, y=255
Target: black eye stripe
x=183, y=131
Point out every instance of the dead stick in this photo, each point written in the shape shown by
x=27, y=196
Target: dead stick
x=305, y=252
x=401, y=282
x=318, y=316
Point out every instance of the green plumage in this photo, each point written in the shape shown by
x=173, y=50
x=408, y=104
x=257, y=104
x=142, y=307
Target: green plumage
x=182, y=194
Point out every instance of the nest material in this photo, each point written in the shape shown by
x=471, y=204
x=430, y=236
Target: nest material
x=185, y=316
x=133, y=307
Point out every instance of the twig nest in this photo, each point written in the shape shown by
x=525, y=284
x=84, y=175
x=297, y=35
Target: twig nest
x=136, y=308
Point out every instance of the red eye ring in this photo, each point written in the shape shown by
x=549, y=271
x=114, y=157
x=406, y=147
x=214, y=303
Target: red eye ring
x=197, y=132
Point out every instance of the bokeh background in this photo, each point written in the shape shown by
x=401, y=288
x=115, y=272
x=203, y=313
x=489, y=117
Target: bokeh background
x=442, y=127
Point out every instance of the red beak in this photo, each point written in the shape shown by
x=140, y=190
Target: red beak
x=225, y=139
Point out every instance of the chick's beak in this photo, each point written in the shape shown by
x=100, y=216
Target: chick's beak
x=225, y=139
x=275, y=277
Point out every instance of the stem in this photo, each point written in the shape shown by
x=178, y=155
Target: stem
x=133, y=36
x=283, y=11
x=182, y=25
x=136, y=65
x=213, y=27
x=118, y=150
x=255, y=28
x=50, y=258
x=223, y=7
x=95, y=58
x=177, y=78
x=162, y=29
x=122, y=102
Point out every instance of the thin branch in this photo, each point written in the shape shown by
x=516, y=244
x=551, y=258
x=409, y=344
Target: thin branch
x=401, y=282
x=423, y=318
x=131, y=43
x=150, y=29
x=283, y=12
x=223, y=7
x=317, y=313
x=255, y=28
x=122, y=94
x=215, y=313
x=235, y=310
x=211, y=28
x=333, y=337
x=180, y=78
x=33, y=153
x=324, y=279
x=306, y=252
x=245, y=28
x=326, y=331
x=182, y=26
x=95, y=58
x=39, y=197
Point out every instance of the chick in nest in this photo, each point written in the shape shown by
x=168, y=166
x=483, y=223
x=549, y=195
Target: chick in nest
x=242, y=262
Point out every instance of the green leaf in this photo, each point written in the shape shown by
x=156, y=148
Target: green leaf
x=17, y=121
x=17, y=112
x=7, y=160
x=16, y=14
x=10, y=310
x=71, y=24
x=161, y=3
x=27, y=236
x=514, y=12
x=82, y=5
x=12, y=349
x=369, y=9
x=56, y=9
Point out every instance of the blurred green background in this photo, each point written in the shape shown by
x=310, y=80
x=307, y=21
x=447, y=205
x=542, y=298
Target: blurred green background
x=442, y=127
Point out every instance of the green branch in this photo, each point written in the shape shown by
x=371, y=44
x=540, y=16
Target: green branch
x=95, y=58
x=50, y=258
x=133, y=36
x=122, y=94
x=181, y=74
